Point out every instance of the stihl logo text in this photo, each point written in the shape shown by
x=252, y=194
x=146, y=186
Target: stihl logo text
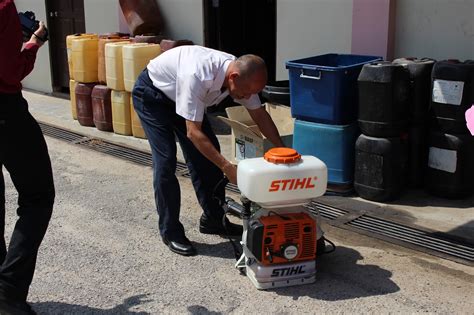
x=292, y=184
x=290, y=271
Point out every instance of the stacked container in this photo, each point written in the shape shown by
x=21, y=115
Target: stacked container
x=114, y=65
x=121, y=120
x=135, y=59
x=382, y=149
x=102, y=107
x=83, y=93
x=69, y=40
x=323, y=98
x=103, y=40
x=450, y=167
x=420, y=84
x=85, y=59
x=115, y=60
x=124, y=62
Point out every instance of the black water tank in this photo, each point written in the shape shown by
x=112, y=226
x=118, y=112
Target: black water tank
x=452, y=94
x=380, y=167
x=277, y=92
x=420, y=86
x=450, y=171
x=384, y=90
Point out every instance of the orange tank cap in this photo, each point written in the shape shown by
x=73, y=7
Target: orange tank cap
x=282, y=155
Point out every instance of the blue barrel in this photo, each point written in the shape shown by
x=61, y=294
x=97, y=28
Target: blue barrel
x=332, y=144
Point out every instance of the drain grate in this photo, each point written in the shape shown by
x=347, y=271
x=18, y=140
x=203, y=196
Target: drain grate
x=437, y=244
x=60, y=133
x=413, y=236
x=326, y=211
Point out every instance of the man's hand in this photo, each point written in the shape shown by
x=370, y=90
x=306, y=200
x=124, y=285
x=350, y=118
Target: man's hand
x=230, y=170
x=205, y=146
x=38, y=34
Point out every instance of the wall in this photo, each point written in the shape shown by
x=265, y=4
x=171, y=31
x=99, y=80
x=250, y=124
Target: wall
x=440, y=29
x=308, y=28
x=40, y=78
x=101, y=16
x=183, y=19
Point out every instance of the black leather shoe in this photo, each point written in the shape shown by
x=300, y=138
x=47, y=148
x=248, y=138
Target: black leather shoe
x=213, y=226
x=182, y=246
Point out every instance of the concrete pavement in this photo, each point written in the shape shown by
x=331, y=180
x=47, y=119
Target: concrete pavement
x=102, y=254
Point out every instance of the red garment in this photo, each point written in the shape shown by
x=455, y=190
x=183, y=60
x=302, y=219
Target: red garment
x=15, y=63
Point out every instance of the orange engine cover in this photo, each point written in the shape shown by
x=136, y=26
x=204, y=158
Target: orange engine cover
x=288, y=238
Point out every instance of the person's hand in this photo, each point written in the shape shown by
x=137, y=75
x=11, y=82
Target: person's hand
x=230, y=170
x=38, y=34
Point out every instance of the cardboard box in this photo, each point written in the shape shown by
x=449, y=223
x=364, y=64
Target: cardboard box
x=247, y=140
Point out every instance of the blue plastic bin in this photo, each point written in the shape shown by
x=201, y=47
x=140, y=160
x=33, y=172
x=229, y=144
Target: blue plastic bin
x=324, y=88
x=332, y=144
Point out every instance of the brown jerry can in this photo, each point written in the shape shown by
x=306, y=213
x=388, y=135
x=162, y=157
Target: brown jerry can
x=84, y=104
x=102, y=107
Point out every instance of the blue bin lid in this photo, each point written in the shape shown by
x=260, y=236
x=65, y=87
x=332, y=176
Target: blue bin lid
x=332, y=62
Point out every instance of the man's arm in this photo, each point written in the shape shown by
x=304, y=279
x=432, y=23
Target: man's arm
x=266, y=125
x=205, y=146
x=15, y=63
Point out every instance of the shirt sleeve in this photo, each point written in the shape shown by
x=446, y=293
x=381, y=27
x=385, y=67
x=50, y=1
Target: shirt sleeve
x=15, y=63
x=252, y=103
x=190, y=94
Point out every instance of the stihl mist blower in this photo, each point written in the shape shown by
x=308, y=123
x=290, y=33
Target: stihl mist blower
x=281, y=236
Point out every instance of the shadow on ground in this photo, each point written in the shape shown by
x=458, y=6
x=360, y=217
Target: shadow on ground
x=340, y=277
x=221, y=250
x=198, y=310
x=51, y=308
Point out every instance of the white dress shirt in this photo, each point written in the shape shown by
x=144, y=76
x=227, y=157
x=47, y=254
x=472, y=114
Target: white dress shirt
x=192, y=76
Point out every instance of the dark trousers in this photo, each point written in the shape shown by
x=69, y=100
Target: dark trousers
x=161, y=124
x=24, y=154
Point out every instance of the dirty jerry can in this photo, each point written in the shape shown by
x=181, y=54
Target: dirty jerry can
x=380, y=167
x=450, y=169
x=102, y=107
x=83, y=92
x=383, y=99
x=452, y=94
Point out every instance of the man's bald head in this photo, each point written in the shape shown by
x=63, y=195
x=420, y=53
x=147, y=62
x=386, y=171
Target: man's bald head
x=245, y=76
x=251, y=66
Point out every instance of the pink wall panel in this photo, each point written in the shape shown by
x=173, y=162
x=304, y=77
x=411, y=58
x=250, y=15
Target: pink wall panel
x=373, y=27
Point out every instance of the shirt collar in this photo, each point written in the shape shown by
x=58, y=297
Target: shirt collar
x=219, y=80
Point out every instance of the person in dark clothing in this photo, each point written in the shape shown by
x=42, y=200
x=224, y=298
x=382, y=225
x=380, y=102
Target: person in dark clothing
x=24, y=154
x=170, y=97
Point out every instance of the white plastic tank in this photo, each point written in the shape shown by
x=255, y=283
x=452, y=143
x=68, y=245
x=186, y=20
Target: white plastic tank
x=282, y=177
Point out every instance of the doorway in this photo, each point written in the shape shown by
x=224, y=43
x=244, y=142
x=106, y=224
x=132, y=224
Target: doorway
x=65, y=17
x=242, y=27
